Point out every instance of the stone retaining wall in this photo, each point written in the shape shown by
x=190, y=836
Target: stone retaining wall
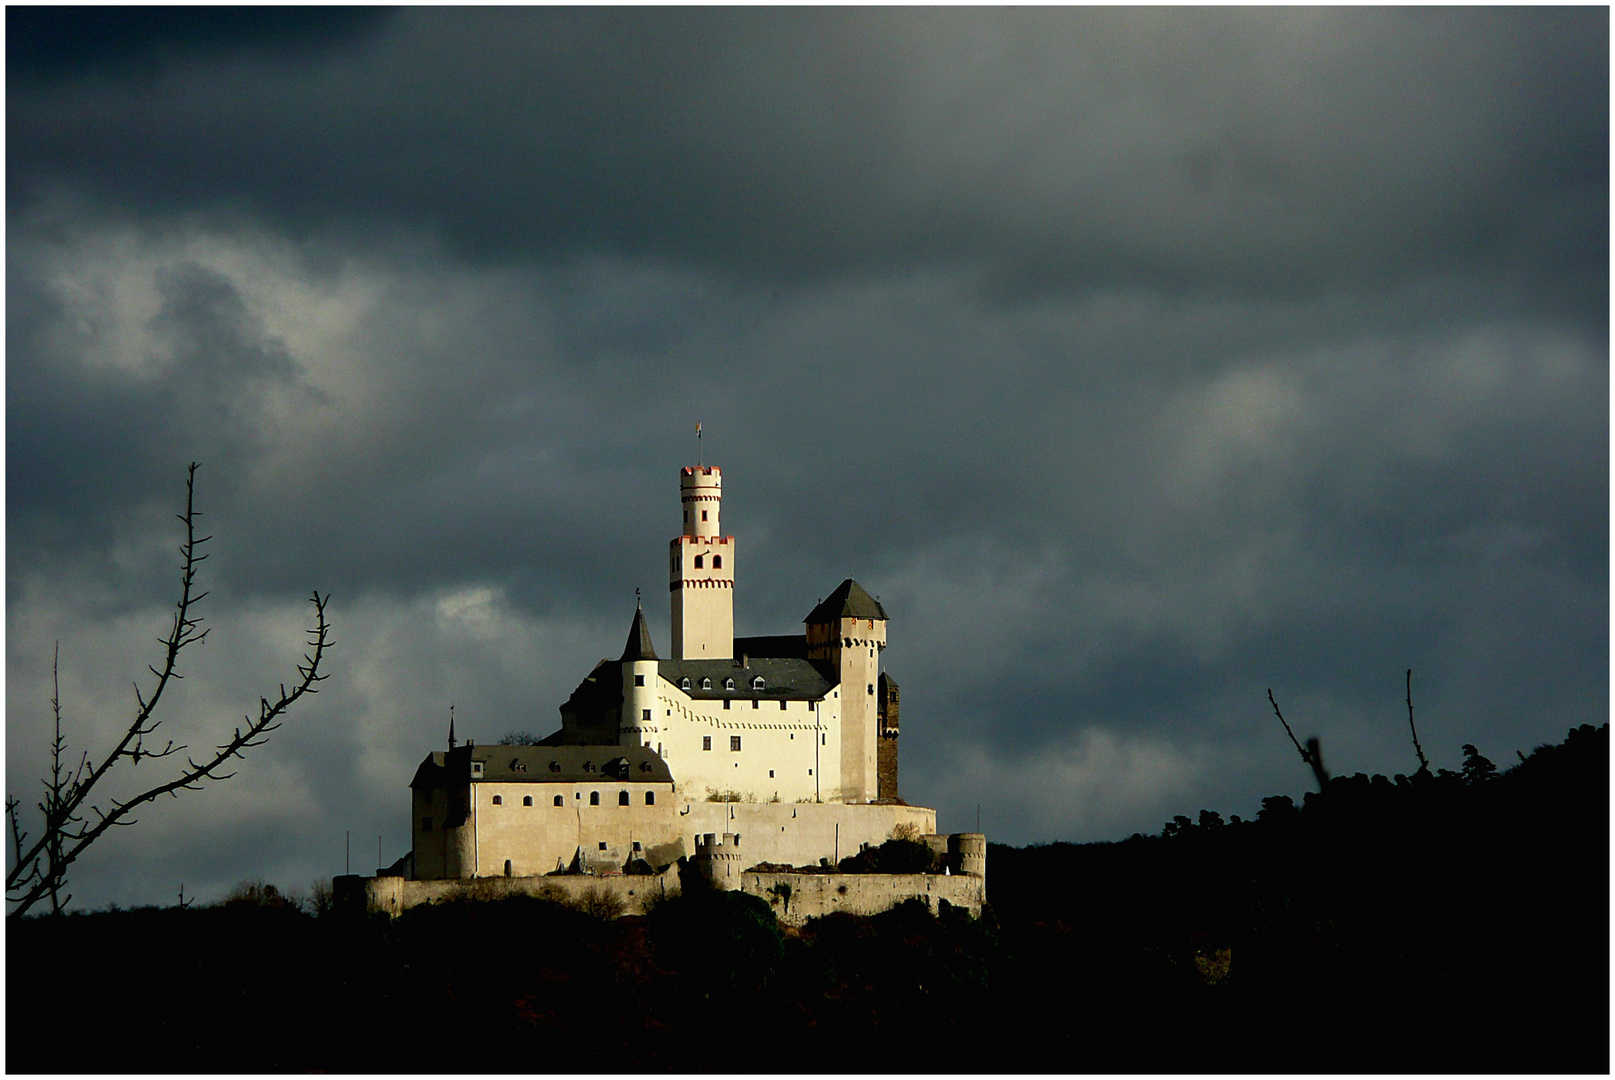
x=796, y=898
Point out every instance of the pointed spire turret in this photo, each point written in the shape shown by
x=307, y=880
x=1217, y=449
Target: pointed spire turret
x=639, y=646
x=451, y=727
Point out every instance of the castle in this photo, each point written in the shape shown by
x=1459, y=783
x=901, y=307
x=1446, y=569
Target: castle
x=729, y=753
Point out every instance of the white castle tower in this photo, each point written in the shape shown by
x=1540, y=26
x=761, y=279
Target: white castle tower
x=848, y=630
x=701, y=573
x=637, y=726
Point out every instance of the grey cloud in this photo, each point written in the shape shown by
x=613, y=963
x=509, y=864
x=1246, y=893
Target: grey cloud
x=1192, y=147
x=1140, y=361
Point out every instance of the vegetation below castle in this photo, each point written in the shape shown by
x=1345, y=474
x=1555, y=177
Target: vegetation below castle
x=1454, y=923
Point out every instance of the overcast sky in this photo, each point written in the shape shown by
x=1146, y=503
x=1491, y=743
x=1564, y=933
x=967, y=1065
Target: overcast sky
x=1139, y=360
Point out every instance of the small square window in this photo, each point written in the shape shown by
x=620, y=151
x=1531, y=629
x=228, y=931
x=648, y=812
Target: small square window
x=726, y=703
x=756, y=704
x=734, y=742
x=639, y=680
x=706, y=742
x=771, y=774
x=602, y=845
x=644, y=715
x=782, y=706
x=703, y=515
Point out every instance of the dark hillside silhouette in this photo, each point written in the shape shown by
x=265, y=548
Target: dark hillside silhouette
x=1452, y=922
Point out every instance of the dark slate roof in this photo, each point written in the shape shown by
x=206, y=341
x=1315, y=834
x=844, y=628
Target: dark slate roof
x=598, y=698
x=849, y=601
x=783, y=677
x=639, y=646
x=572, y=764
x=546, y=765
x=775, y=645
x=430, y=773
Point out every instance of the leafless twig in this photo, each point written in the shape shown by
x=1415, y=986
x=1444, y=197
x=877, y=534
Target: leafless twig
x=40, y=870
x=1311, y=753
x=1424, y=765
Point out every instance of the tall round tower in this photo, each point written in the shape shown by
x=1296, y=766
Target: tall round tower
x=637, y=725
x=701, y=571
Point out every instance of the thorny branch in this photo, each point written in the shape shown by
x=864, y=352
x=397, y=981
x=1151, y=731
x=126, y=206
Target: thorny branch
x=67, y=834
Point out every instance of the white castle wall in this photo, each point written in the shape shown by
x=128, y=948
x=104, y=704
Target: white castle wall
x=772, y=740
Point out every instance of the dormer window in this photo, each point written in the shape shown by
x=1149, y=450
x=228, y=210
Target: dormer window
x=706, y=684
x=757, y=683
x=728, y=684
x=476, y=768
x=555, y=766
x=588, y=766
x=684, y=684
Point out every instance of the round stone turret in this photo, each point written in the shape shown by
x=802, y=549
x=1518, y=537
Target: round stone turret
x=718, y=861
x=970, y=852
x=701, y=491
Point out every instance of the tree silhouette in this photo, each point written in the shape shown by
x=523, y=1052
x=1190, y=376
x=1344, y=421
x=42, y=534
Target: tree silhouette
x=71, y=822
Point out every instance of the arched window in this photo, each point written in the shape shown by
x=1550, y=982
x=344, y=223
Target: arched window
x=527, y=800
x=717, y=562
x=509, y=870
x=698, y=559
x=558, y=801
x=650, y=798
x=499, y=800
x=594, y=798
x=622, y=798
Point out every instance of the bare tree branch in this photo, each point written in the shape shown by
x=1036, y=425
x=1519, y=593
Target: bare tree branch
x=1424, y=766
x=67, y=834
x=1311, y=753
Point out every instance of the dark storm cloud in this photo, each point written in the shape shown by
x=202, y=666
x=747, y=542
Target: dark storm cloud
x=90, y=442
x=48, y=44
x=1139, y=360
x=1235, y=149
